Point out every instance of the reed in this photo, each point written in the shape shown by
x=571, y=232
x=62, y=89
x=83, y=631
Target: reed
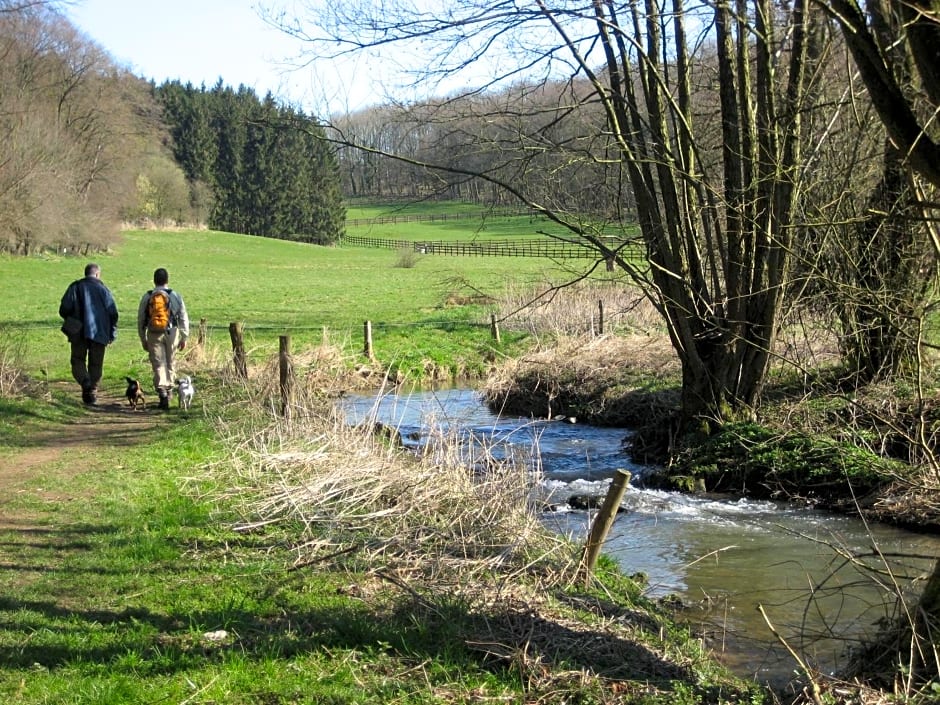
x=574, y=310
x=357, y=494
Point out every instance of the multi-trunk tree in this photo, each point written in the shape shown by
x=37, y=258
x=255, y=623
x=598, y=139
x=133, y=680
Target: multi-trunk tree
x=886, y=274
x=686, y=118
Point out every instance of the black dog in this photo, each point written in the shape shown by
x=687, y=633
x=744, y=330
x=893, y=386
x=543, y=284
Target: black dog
x=134, y=394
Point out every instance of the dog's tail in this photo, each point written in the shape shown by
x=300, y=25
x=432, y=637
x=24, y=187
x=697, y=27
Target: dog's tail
x=130, y=380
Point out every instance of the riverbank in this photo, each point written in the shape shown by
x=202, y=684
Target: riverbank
x=809, y=439
x=155, y=557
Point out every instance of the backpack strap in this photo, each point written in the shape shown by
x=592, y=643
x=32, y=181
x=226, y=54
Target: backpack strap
x=175, y=306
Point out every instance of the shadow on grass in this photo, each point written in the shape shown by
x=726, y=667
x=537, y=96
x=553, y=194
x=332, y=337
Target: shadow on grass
x=108, y=423
x=173, y=642
x=57, y=616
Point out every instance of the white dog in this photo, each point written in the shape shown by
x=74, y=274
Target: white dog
x=185, y=392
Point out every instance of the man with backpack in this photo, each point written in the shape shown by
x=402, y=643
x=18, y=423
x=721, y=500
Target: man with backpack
x=163, y=326
x=90, y=324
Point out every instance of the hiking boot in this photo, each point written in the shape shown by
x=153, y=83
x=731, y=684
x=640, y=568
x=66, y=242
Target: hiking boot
x=164, y=404
x=89, y=397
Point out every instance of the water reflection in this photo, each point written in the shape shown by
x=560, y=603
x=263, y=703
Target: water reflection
x=723, y=559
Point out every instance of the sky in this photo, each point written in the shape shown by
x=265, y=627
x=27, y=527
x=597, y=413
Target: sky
x=200, y=41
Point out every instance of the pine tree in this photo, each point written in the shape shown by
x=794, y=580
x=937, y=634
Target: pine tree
x=271, y=170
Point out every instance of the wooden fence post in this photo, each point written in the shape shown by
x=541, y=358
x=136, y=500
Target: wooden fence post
x=602, y=523
x=287, y=376
x=201, y=335
x=600, y=317
x=367, y=334
x=238, y=349
x=494, y=327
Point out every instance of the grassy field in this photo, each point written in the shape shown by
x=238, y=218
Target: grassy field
x=431, y=314
x=460, y=221
x=125, y=581
x=464, y=222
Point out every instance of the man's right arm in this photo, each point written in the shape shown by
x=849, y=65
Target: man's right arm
x=142, y=322
x=67, y=305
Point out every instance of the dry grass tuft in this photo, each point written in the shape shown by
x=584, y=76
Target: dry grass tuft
x=600, y=379
x=202, y=356
x=319, y=374
x=605, y=357
x=575, y=310
x=12, y=379
x=358, y=495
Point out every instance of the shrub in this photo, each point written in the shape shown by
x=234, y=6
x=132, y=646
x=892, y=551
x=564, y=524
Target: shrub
x=407, y=258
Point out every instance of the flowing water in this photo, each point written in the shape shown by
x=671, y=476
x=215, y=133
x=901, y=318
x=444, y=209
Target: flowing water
x=736, y=567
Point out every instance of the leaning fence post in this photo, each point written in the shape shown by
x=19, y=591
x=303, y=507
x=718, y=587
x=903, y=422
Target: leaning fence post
x=287, y=375
x=238, y=349
x=602, y=523
x=494, y=327
x=367, y=334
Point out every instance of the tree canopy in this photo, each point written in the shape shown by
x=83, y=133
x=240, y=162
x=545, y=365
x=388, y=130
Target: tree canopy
x=268, y=166
x=87, y=146
x=71, y=133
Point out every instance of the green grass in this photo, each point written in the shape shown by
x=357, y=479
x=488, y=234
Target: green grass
x=109, y=595
x=490, y=227
x=373, y=209
x=464, y=222
x=117, y=574
x=274, y=288
x=422, y=209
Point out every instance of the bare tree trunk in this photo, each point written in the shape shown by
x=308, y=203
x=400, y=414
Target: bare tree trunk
x=890, y=275
x=878, y=70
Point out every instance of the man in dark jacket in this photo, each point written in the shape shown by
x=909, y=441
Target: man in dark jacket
x=89, y=302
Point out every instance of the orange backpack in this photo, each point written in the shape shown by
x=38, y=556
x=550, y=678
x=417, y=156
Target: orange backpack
x=159, y=311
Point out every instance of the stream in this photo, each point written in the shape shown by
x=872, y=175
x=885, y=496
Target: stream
x=735, y=566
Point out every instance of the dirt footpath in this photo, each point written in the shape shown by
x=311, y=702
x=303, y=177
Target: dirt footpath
x=55, y=454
